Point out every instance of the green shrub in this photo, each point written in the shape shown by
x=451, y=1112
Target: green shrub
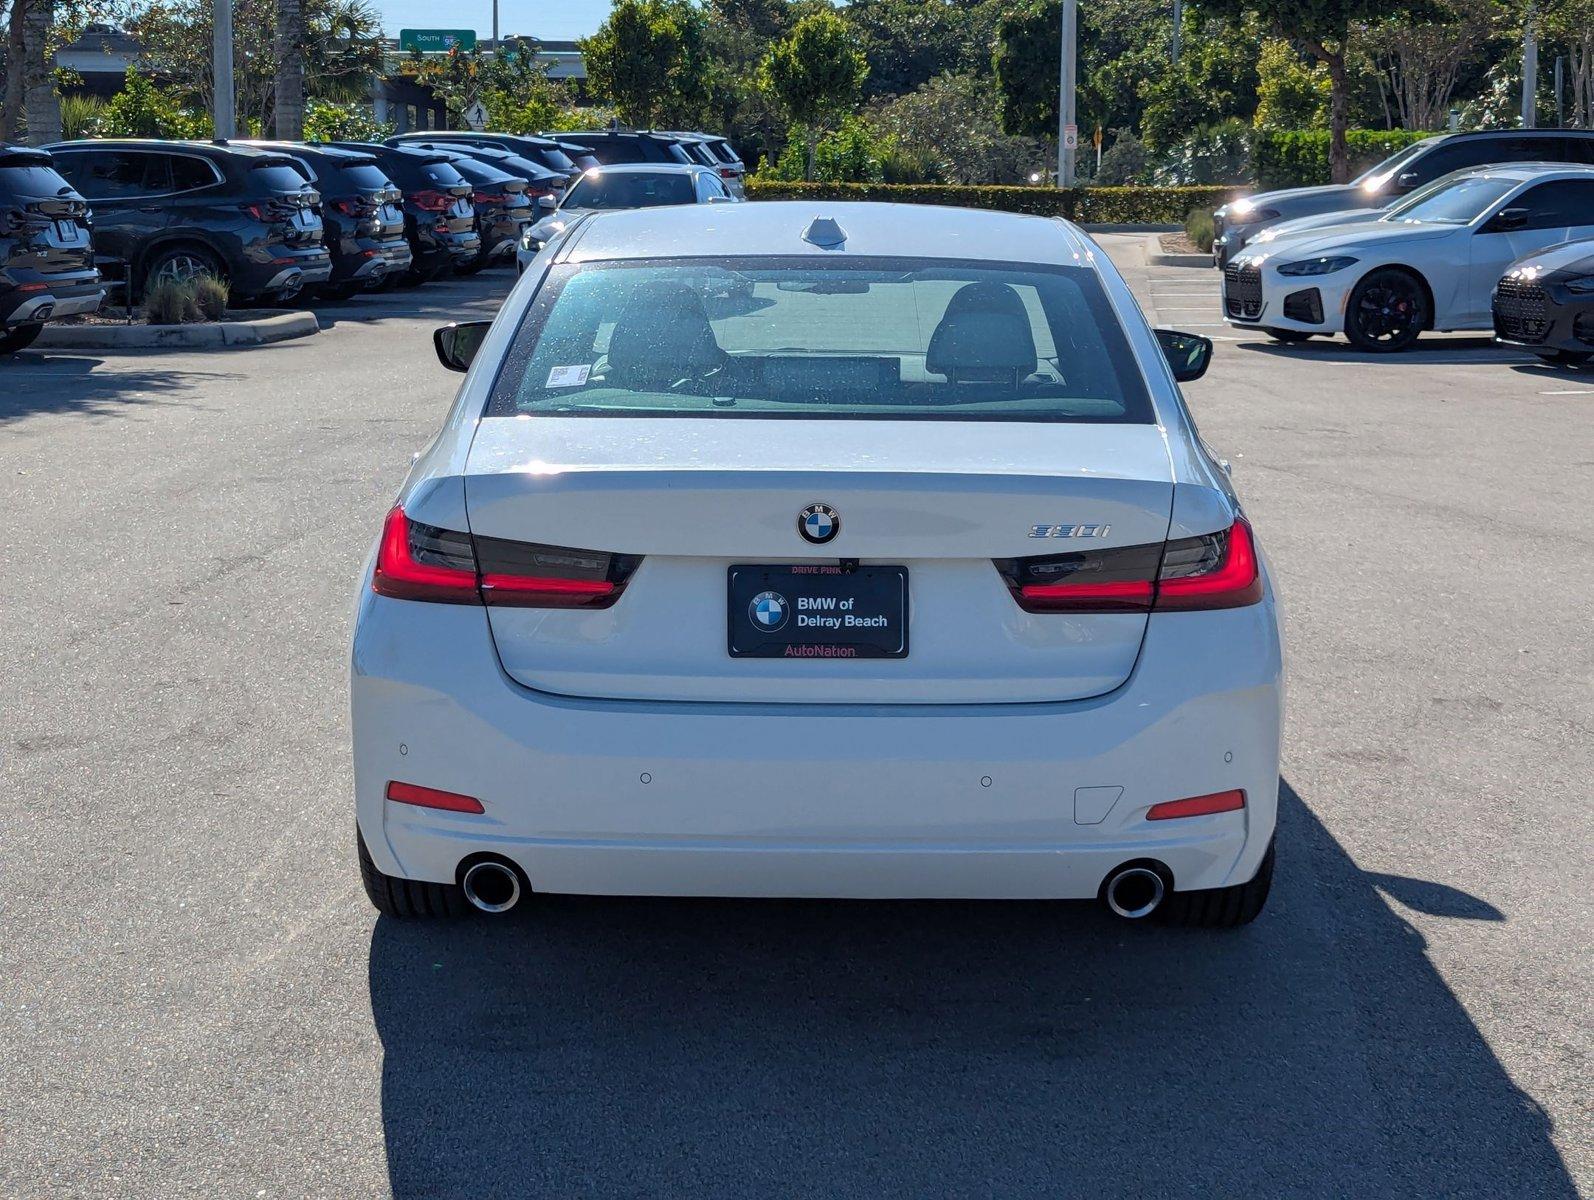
x=82, y=116
x=1198, y=228
x=210, y=297
x=328, y=121
x=1212, y=154
x=1104, y=205
x=1299, y=157
x=170, y=302
x=144, y=109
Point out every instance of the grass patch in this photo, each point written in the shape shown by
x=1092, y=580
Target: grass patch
x=185, y=301
x=1198, y=228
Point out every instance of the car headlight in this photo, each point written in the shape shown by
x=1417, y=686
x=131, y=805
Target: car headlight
x=1244, y=212
x=1317, y=266
x=1582, y=285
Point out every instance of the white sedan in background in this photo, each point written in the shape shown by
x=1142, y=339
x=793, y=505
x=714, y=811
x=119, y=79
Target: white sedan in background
x=1429, y=262
x=854, y=550
x=621, y=186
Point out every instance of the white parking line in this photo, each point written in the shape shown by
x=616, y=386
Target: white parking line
x=1571, y=392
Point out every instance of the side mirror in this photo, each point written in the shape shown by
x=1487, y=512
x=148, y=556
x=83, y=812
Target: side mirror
x=547, y=203
x=1406, y=180
x=1189, y=354
x=718, y=199
x=1506, y=220
x=457, y=344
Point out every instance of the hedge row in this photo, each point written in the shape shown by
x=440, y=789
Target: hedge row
x=1299, y=157
x=1104, y=205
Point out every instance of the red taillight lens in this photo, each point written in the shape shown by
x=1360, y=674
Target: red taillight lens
x=1217, y=570
x=425, y=797
x=430, y=201
x=1197, y=806
x=727, y=173
x=490, y=197
x=259, y=212
x=423, y=562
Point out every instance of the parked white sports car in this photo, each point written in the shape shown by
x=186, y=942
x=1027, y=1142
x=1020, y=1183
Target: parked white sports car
x=1430, y=262
x=851, y=550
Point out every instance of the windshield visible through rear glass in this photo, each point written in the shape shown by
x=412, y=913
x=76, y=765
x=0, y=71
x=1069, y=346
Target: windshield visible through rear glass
x=883, y=339
x=1455, y=203
x=629, y=189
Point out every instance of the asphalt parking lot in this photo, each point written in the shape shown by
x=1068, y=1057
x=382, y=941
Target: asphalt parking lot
x=196, y=999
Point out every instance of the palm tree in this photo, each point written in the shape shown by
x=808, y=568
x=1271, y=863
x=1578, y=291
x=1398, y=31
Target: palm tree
x=38, y=73
x=290, y=70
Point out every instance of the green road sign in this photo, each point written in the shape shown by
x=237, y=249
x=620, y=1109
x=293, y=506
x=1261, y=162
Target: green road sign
x=436, y=41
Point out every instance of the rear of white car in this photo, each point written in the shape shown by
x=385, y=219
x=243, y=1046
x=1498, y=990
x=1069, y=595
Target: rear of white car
x=872, y=556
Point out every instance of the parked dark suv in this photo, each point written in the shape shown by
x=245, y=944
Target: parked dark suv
x=551, y=153
x=610, y=146
x=179, y=209
x=362, y=217
x=503, y=207
x=46, y=256
x=439, y=218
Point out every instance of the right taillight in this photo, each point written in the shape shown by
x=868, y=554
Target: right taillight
x=1216, y=570
x=415, y=561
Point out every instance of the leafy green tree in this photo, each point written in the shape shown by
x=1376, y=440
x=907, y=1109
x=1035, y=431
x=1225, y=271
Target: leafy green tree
x=952, y=122
x=908, y=42
x=1291, y=93
x=336, y=121
x=649, y=59
x=144, y=109
x=815, y=73
x=512, y=86
x=1324, y=28
x=851, y=153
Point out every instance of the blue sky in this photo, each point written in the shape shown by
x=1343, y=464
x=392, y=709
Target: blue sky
x=543, y=18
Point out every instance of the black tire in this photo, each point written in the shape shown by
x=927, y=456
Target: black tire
x=1387, y=311
x=407, y=898
x=1222, y=908
x=1565, y=358
x=1285, y=335
x=181, y=262
x=19, y=337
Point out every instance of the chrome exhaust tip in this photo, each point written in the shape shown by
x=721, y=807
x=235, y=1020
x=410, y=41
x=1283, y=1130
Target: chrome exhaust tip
x=491, y=886
x=1134, y=892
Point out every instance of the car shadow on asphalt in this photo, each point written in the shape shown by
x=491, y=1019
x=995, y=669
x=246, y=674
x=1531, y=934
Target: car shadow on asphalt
x=1448, y=351
x=65, y=381
x=451, y=298
x=838, y=1049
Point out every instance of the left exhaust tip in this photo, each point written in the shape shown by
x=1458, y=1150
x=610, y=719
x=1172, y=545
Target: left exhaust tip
x=1134, y=893
x=491, y=886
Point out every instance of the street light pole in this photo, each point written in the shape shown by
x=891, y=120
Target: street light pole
x=1178, y=26
x=221, y=60
x=495, y=27
x=1530, y=72
x=1067, y=130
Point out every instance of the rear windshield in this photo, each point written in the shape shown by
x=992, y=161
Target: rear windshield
x=872, y=338
x=366, y=177
x=555, y=159
x=276, y=177
x=31, y=182
x=442, y=174
x=628, y=189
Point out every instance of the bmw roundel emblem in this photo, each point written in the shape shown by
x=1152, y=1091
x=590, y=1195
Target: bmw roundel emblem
x=768, y=611
x=818, y=523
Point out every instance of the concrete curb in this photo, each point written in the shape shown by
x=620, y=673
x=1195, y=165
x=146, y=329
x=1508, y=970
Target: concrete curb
x=1156, y=257
x=1130, y=227
x=178, y=337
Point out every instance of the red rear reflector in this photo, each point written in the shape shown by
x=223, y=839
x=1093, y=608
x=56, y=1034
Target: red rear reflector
x=1234, y=583
x=400, y=576
x=1197, y=806
x=425, y=797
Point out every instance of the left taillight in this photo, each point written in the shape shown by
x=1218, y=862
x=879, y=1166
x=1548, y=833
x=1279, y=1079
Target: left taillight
x=416, y=561
x=1212, y=571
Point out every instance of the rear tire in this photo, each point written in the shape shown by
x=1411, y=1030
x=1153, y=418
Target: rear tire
x=1285, y=335
x=19, y=338
x=1387, y=311
x=182, y=263
x=407, y=898
x=1222, y=908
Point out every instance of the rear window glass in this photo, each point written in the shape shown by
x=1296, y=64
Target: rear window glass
x=275, y=177
x=33, y=183
x=367, y=177
x=882, y=339
x=629, y=189
x=555, y=159
x=442, y=174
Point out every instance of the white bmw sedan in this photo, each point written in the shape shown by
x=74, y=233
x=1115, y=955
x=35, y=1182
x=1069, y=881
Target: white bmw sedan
x=857, y=550
x=1428, y=262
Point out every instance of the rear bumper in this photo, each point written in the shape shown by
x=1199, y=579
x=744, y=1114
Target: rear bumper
x=281, y=269
x=80, y=293
x=644, y=798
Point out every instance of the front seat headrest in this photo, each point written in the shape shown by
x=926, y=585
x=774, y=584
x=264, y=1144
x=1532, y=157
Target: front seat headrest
x=983, y=337
x=662, y=336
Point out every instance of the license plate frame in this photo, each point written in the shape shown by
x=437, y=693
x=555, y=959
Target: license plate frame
x=757, y=592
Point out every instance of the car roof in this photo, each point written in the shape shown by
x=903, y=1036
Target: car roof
x=649, y=168
x=1553, y=131
x=776, y=228
x=169, y=145
x=332, y=155
x=1523, y=171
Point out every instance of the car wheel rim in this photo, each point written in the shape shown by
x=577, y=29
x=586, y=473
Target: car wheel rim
x=1387, y=313
x=181, y=268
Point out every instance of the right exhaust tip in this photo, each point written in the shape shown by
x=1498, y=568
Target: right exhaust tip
x=1134, y=893
x=491, y=886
